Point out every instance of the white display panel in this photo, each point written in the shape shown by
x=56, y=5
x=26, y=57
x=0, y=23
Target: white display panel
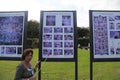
x=58, y=34
x=106, y=34
x=12, y=33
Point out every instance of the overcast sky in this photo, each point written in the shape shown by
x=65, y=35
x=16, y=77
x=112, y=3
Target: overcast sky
x=81, y=6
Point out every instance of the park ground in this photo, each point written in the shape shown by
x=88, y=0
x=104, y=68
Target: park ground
x=65, y=70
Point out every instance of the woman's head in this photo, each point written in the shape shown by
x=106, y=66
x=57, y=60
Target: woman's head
x=27, y=55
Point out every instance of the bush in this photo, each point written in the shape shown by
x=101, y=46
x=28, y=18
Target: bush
x=32, y=42
x=83, y=41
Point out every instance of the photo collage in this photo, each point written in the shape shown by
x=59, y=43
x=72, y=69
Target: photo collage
x=100, y=35
x=58, y=36
x=106, y=32
x=11, y=33
x=114, y=29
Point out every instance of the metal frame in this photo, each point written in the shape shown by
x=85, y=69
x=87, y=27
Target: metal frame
x=92, y=59
x=59, y=59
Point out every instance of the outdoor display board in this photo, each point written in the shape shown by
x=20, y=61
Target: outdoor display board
x=12, y=34
x=105, y=35
x=58, y=35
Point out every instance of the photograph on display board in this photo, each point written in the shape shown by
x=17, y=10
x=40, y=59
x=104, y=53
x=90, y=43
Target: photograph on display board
x=117, y=17
x=118, y=25
x=47, y=37
x=68, y=37
x=68, y=52
x=112, y=25
x=111, y=18
x=115, y=34
x=106, y=35
x=68, y=44
x=58, y=44
x=50, y=20
x=112, y=51
x=47, y=52
x=118, y=50
x=47, y=29
x=2, y=50
x=19, y=50
x=58, y=37
x=47, y=44
x=10, y=50
x=58, y=51
x=58, y=30
x=68, y=30
x=11, y=25
x=66, y=20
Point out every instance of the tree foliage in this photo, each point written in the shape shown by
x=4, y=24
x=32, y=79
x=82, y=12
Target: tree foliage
x=83, y=32
x=33, y=29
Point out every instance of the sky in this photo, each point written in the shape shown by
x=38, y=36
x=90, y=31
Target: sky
x=82, y=7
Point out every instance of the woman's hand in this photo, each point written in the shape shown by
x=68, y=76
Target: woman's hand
x=36, y=66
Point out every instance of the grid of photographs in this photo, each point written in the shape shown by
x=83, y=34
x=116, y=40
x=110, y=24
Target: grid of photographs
x=100, y=35
x=11, y=35
x=114, y=26
x=58, y=36
x=106, y=35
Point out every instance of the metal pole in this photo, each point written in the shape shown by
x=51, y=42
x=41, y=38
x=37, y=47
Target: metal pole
x=39, y=73
x=91, y=69
x=76, y=69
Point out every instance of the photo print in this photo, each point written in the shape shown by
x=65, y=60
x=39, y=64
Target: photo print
x=58, y=44
x=95, y=19
x=68, y=30
x=112, y=50
x=66, y=20
x=118, y=51
x=2, y=50
x=68, y=44
x=10, y=50
x=100, y=19
x=47, y=29
x=115, y=34
x=111, y=18
x=68, y=52
x=112, y=25
x=58, y=37
x=47, y=37
x=68, y=37
x=58, y=30
x=58, y=51
x=19, y=50
x=47, y=44
x=47, y=52
x=117, y=17
x=50, y=20
x=118, y=25
x=11, y=25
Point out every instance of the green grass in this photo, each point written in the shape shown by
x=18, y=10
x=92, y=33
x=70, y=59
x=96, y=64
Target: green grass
x=65, y=70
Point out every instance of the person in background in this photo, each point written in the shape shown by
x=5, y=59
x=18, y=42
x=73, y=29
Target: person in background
x=24, y=70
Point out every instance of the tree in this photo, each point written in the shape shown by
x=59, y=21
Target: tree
x=83, y=32
x=83, y=36
x=33, y=29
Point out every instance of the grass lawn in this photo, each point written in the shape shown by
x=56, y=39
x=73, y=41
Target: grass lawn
x=65, y=70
